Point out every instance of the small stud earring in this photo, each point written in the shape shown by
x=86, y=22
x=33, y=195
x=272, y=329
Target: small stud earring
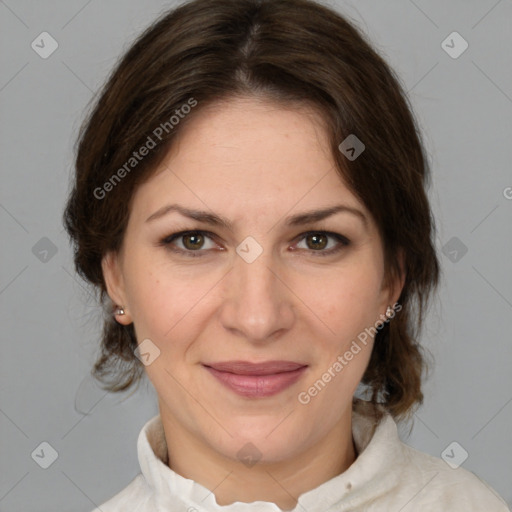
x=390, y=312
x=119, y=311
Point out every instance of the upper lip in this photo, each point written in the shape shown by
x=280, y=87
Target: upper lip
x=248, y=368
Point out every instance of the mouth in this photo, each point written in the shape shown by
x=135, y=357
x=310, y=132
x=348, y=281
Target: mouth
x=257, y=380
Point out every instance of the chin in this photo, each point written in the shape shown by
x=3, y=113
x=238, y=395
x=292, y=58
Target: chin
x=261, y=439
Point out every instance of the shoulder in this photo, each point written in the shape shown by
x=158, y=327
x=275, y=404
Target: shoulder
x=136, y=496
x=397, y=476
x=434, y=485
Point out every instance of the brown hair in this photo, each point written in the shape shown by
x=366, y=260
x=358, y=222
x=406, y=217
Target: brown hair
x=293, y=52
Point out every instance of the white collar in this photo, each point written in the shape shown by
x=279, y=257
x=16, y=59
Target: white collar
x=375, y=472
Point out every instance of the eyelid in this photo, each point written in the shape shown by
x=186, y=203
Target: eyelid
x=169, y=239
x=343, y=241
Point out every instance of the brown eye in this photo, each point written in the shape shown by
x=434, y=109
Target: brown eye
x=193, y=241
x=190, y=243
x=316, y=241
x=323, y=243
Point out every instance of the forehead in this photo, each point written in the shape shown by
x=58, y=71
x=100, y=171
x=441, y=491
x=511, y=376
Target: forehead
x=247, y=156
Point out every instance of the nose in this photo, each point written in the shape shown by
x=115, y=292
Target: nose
x=258, y=305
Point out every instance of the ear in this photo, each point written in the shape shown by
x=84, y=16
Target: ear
x=114, y=283
x=394, y=284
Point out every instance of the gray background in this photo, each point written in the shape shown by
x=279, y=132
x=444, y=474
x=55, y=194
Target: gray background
x=50, y=323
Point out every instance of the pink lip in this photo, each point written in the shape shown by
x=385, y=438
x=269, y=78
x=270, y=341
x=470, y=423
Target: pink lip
x=257, y=380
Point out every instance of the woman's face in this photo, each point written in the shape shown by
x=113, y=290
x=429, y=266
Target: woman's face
x=254, y=287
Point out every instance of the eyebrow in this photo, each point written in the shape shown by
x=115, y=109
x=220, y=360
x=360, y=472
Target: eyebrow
x=213, y=219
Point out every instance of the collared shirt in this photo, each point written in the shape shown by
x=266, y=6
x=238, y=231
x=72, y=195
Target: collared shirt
x=387, y=476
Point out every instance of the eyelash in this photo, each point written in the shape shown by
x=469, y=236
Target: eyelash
x=167, y=241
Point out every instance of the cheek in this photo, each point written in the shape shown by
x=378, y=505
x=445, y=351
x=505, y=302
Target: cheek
x=346, y=301
x=153, y=302
x=167, y=304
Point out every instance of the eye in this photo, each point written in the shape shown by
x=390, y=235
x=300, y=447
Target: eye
x=318, y=242
x=193, y=243
x=189, y=242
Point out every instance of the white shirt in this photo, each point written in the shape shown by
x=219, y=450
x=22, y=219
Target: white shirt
x=387, y=476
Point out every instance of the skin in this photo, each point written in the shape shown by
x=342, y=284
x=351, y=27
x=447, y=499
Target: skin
x=254, y=163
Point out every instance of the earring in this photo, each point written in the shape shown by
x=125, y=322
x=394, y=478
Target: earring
x=118, y=311
x=390, y=312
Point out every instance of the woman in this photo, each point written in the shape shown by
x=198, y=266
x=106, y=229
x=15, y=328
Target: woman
x=250, y=203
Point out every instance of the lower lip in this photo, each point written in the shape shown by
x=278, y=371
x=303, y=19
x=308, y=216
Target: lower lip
x=257, y=386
